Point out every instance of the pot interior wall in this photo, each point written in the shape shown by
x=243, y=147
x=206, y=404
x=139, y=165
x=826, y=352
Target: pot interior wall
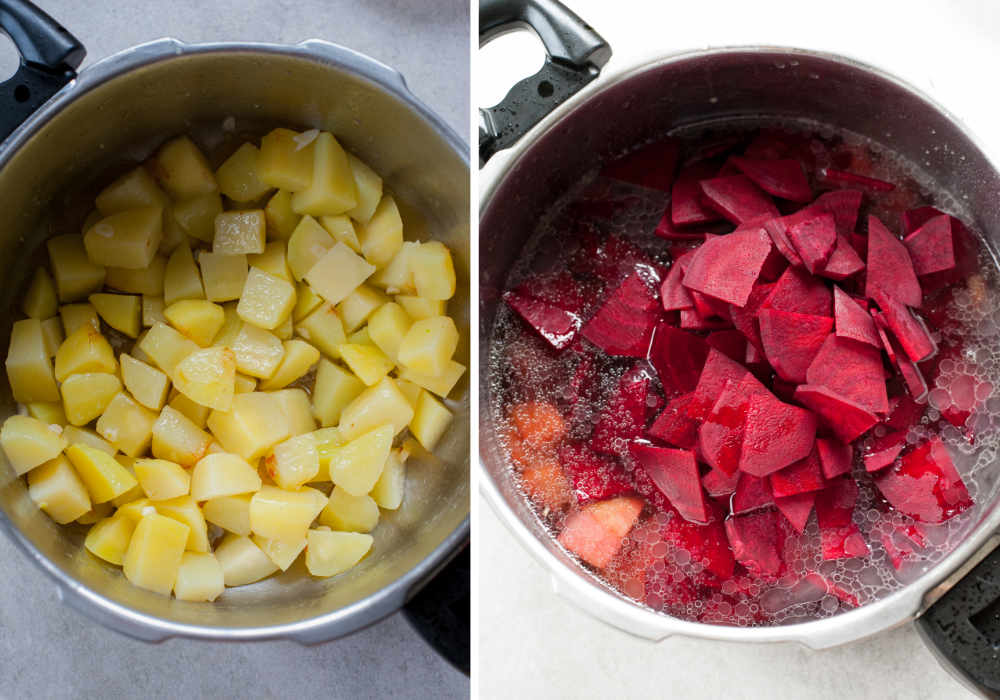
x=121, y=121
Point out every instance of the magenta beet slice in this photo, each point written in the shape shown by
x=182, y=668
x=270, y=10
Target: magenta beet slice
x=907, y=328
x=675, y=425
x=782, y=178
x=925, y=484
x=844, y=205
x=673, y=294
x=776, y=435
x=730, y=343
x=930, y=246
x=675, y=473
x=651, y=166
x=687, y=206
x=738, y=199
x=702, y=542
x=814, y=240
x=678, y=358
x=884, y=450
x=707, y=307
x=804, y=476
x=913, y=219
x=755, y=541
x=777, y=229
x=912, y=376
x=904, y=412
x=720, y=437
x=594, y=478
x=752, y=492
x=796, y=509
x=718, y=484
x=551, y=307
x=799, y=292
x=852, y=320
x=624, y=324
x=889, y=266
x=844, y=262
x=745, y=319
x=839, y=536
x=853, y=370
x=834, y=457
x=844, y=417
x=691, y=320
x=845, y=177
x=726, y=267
x=717, y=370
x=897, y=553
x=667, y=230
x=791, y=340
x=623, y=417
x=610, y=258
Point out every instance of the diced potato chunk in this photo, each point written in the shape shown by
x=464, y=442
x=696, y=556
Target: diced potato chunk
x=375, y=406
x=358, y=306
x=98, y=512
x=196, y=216
x=84, y=350
x=28, y=442
x=223, y=275
x=267, y=299
x=286, y=329
x=86, y=395
x=391, y=485
x=237, y=176
x=109, y=538
x=75, y=315
x=135, y=510
x=29, y=369
x=350, y=513
x=120, y=311
x=360, y=337
x=222, y=474
x=342, y=229
x=282, y=552
x=281, y=220
x=357, y=465
x=428, y=345
x=198, y=319
x=154, y=553
x=366, y=361
x=41, y=301
x=193, y=411
x=306, y=302
x=127, y=425
x=273, y=260
x=410, y=390
x=127, y=239
x=433, y=271
x=280, y=514
x=382, y=237
x=298, y=358
x=147, y=280
x=329, y=553
x=397, y=276
x=255, y=424
x=293, y=462
x=297, y=410
x=419, y=308
x=85, y=436
x=181, y=280
x=226, y=337
x=239, y=232
x=441, y=384
x=147, y=384
x=258, y=352
x=387, y=328
x=103, y=476
x=152, y=310
x=173, y=234
x=338, y=273
x=49, y=412
x=183, y=169
x=369, y=186
x=308, y=243
x=324, y=329
x=162, y=479
x=178, y=439
x=134, y=189
x=430, y=420
x=245, y=384
x=166, y=347
x=286, y=159
x=76, y=276
x=332, y=189
x=184, y=509
x=231, y=513
x=208, y=377
x=242, y=561
x=199, y=578
x=56, y=488
x=335, y=388
x=52, y=335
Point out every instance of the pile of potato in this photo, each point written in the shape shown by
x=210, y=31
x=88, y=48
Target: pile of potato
x=281, y=336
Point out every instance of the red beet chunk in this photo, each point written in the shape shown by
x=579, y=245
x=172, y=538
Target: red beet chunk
x=844, y=262
x=844, y=205
x=834, y=457
x=691, y=320
x=804, y=476
x=844, y=177
x=726, y=267
x=745, y=319
x=738, y=199
x=717, y=371
x=930, y=246
x=594, y=478
x=925, y=484
x=796, y=509
x=718, y=484
x=913, y=219
x=675, y=473
x=776, y=435
x=777, y=229
x=799, y=292
x=909, y=330
x=755, y=541
x=651, y=166
x=702, y=542
x=730, y=343
x=687, y=206
x=666, y=230
x=624, y=324
x=852, y=320
x=904, y=412
x=595, y=532
x=709, y=308
x=890, y=267
x=609, y=258
x=791, y=340
x=678, y=358
x=814, y=240
x=897, y=554
x=853, y=370
x=839, y=535
x=673, y=294
x=558, y=326
x=623, y=417
x=782, y=178
x=752, y=492
x=884, y=450
x=844, y=417
x=720, y=437
x=675, y=425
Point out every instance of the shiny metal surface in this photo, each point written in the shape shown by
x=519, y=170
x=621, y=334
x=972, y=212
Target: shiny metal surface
x=639, y=102
x=128, y=104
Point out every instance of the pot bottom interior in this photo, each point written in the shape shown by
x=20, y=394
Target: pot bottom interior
x=665, y=563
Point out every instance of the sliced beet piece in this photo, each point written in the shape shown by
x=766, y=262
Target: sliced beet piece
x=897, y=553
x=907, y=328
x=651, y=166
x=673, y=294
x=814, y=240
x=777, y=229
x=840, y=537
x=709, y=308
x=737, y=198
x=593, y=477
x=668, y=231
x=889, y=266
x=844, y=417
x=687, y=205
x=624, y=324
x=791, y=340
x=904, y=412
x=675, y=473
x=558, y=326
x=726, y=267
x=796, y=509
x=853, y=370
x=884, y=450
x=623, y=417
x=675, y=425
x=931, y=246
x=752, y=492
x=777, y=434
x=755, y=541
x=912, y=219
x=702, y=542
x=730, y=343
x=718, y=484
x=716, y=372
x=844, y=262
x=799, y=292
x=745, y=319
x=691, y=320
x=845, y=177
x=678, y=357
x=595, y=532
x=609, y=258
x=720, y=437
x=782, y=178
x=925, y=484
x=805, y=476
x=844, y=205
x=834, y=457
x=852, y=320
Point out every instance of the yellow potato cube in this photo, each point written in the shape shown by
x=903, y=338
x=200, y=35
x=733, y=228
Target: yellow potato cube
x=49, y=412
x=183, y=169
x=387, y=328
x=327, y=439
x=335, y=388
x=29, y=369
x=382, y=237
x=52, y=335
x=222, y=474
x=181, y=279
x=338, y=273
x=441, y=384
x=127, y=239
x=369, y=186
x=419, y=308
x=324, y=329
x=357, y=465
x=199, y=578
x=306, y=301
x=294, y=404
x=397, y=276
x=173, y=234
x=299, y=357
x=361, y=337
x=127, y=425
x=258, y=352
x=184, y=509
x=428, y=345
x=231, y=513
x=103, y=476
x=133, y=493
x=41, y=301
x=28, y=442
x=391, y=485
x=152, y=310
x=286, y=329
x=166, y=347
x=329, y=553
x=272, y=260
x=349, y=513
x=56, y=488
x=196, y=216
x=245, y=384
x=242, y=561
x=86, y=395
x=85, y=436
x=95, y=514
x=430, y=420
x=433, y=271
x=109, y=538
x=281, y=220
x=84, y=350
x=342, y=229
x=193, y=410
x=226, y=337
x=282, y=552
x=147, y=384
x=75, y=315
x=410, y=390
x=148, y=280
x=162, y=479
x=178, y=439
x=154, y=553
x=358, y=306
x=239, y=232
x=135, y=510
x=223, y=275
x=332, y=189
x=286, y=159
x=267, y=299
x=366, y=361
x=198, y=319
x=120, y=311
x=293, y=462
x=208, y=377
x=279, y=514
x=75, y=275
x=237, y=176
x=256, y=422
x=134, y=189
x=377, y=405
x=308, y=243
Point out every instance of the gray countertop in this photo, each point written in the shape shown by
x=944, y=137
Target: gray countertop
x=48, y=651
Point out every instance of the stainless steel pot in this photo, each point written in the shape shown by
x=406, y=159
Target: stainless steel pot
x=118, y=110
x=555, y=138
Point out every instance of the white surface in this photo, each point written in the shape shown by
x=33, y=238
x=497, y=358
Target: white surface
x=533, y=644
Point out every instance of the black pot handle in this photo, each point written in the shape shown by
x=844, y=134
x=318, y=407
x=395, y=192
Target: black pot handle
x=440, y=612
x=49, y=58
x=575, y=54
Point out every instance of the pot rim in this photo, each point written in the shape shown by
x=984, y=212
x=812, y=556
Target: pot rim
x=329, y=625
x=600, y=601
